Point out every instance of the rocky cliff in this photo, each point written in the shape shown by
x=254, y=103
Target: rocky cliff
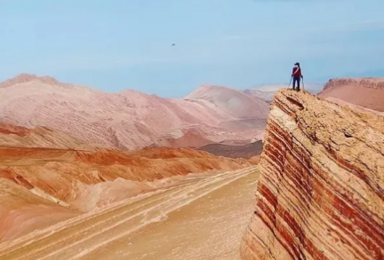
x=320, y=195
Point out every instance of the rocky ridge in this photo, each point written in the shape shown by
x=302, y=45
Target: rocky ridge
x=320, y=194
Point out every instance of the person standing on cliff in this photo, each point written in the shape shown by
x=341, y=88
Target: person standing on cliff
x=296, y=75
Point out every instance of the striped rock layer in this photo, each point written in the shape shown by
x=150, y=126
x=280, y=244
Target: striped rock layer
x=321, y=190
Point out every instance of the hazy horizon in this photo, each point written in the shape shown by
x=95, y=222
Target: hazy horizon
x=119, y=45
x=314, y=85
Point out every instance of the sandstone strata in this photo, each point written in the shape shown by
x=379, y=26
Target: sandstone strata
x=320, y=194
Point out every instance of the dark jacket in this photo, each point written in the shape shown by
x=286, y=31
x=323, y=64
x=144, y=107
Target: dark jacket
x=296, y=72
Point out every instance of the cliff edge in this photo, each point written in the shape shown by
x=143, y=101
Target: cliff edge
x=320, y=194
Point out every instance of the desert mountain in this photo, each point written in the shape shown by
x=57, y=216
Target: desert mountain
x=130, y=119
x=234, y=103
x=365, y=92
x=320, y=193
x=47, y=176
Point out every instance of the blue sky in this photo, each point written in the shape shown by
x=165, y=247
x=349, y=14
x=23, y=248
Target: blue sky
x=114, y=45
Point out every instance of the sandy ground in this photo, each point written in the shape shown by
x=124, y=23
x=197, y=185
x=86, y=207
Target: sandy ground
x=201, y=217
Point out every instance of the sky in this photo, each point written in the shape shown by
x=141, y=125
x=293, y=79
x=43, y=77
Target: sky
x=115, y=45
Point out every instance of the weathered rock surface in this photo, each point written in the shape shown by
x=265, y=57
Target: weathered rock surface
x=321, y=190
x=365, y=92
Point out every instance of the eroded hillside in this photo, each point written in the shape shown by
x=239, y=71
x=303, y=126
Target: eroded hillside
x=45, y=179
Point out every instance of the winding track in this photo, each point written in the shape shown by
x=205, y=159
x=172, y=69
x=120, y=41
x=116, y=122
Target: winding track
x=78, y=237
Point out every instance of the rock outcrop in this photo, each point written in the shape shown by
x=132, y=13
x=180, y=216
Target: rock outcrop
x=321, y=190
x=365, y=92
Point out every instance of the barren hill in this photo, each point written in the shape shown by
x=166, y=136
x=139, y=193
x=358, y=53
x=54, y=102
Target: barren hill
x=235, y=103
x=128, y=119
x=365, y=92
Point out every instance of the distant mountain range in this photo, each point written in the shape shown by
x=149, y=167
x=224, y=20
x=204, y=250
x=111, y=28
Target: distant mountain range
x=266, y=92
x=130, y=120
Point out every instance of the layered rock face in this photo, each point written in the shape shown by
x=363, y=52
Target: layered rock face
x=321, y=191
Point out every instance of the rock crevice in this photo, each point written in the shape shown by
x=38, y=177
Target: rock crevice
x=320, y=194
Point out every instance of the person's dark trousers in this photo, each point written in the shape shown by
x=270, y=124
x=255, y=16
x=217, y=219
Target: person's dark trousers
x=296, y=81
